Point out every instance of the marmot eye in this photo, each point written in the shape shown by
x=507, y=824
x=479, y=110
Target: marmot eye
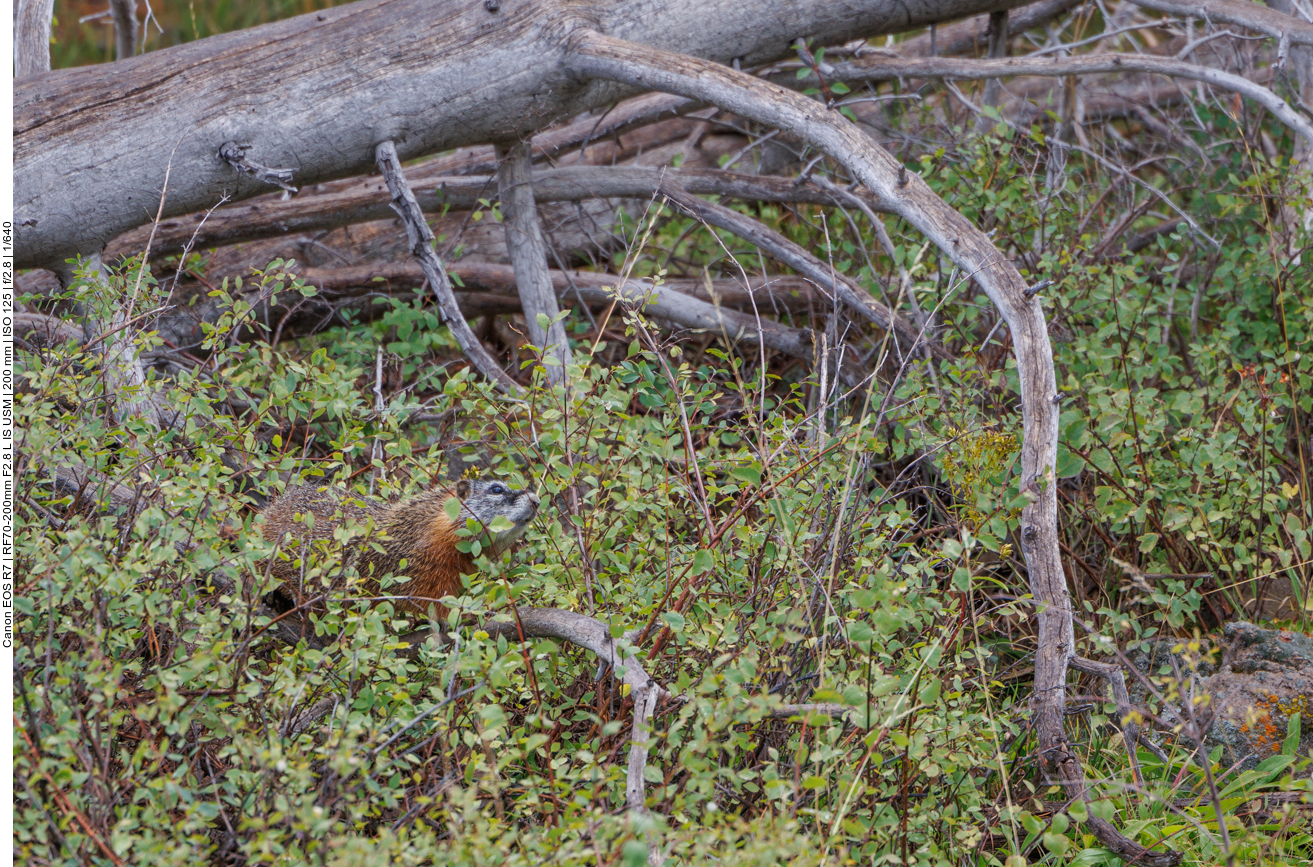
x=497, y=489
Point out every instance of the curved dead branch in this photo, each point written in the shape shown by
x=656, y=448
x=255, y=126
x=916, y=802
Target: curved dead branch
x=594, y=636
x=421, y=245
x=904, y=193
x=880, y=68
x=1260, y=19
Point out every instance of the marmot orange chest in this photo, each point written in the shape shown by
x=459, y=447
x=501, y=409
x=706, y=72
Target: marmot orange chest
x=417, y=530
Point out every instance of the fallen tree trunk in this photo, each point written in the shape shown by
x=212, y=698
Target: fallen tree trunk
x=772, y=295
x=366, y=201
x=429, y=76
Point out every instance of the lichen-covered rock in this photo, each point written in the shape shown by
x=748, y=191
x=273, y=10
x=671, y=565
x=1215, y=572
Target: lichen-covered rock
x=1246, y=699
x=1265, y=678
x=1251, y=648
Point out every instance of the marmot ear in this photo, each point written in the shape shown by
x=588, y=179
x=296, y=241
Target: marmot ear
x=463, y=489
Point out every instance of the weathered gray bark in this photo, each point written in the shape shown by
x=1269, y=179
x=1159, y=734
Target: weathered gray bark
x=998, y=47
x=421, y=246
x=966, y=37
x=32, y=36
x=1300, y=68
x=1250, y=15
x=364, y=202
x=528, y=254
x=91, y=144
x=125, y=27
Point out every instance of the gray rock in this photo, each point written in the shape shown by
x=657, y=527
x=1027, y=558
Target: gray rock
x=1266, y=677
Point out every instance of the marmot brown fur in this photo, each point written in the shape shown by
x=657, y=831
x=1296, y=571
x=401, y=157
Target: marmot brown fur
x=417, y=530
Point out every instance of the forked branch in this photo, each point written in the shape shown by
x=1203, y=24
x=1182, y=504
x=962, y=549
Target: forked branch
x=421, y=246
x=594, y=636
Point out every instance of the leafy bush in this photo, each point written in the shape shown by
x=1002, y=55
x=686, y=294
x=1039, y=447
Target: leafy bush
x=783, y=546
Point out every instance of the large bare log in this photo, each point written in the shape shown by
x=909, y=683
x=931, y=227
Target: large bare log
x=770, y=295
x=428, y=75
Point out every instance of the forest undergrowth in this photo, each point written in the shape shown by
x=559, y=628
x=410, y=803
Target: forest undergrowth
x=783, y=540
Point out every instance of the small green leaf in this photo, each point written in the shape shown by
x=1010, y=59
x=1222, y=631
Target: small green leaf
x=750, y=473
x=1291, y=744
x=1069, y=465
x=1056, y=843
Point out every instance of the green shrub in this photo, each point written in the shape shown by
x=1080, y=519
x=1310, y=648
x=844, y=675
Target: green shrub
x=786, y=548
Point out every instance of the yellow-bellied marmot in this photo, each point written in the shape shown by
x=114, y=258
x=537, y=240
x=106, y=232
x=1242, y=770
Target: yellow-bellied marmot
x=417, y=530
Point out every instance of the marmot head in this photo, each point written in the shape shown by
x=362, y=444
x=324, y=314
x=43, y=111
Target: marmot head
x=484, y=500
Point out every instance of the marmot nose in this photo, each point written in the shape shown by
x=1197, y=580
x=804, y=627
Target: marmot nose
x=533, y=498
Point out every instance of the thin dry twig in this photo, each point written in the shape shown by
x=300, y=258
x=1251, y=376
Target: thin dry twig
x=421, y=247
